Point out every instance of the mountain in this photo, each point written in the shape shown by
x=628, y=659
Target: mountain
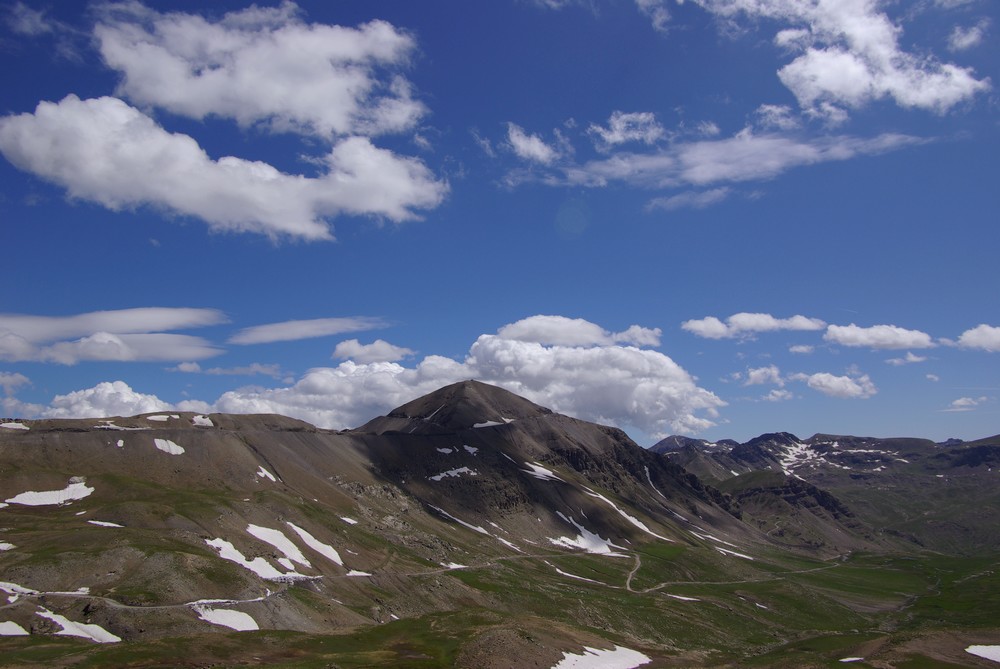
x=940, y=496
x=469, y=527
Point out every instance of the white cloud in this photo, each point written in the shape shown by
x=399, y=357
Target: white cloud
x=856, y=386
x=106, y=151
x=848, y=55
x=692, y=199
x=746, y=156
x=105, y=399
x=909, y=359
x=305, y=329
x=963, y=404
x=801, y=349
x=776, y=116
x=933, y=377
x=378, y=351
x=628, y=127
x=122, y=335
x=877, y=337
x=27, y=21
x=252, y=369
x=657, y=13
x=778, y=395
x=983, y=337
x=607, y=383
x=10, y=381
x=762, y=375
x=961, y=38
x=563, y=331
x=262, y=65
x=529, y=147
x=747, y=324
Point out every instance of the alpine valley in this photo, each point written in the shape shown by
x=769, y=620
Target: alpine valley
x=473, y=528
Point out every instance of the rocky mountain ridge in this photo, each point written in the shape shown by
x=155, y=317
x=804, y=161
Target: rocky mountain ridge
x=468, y=527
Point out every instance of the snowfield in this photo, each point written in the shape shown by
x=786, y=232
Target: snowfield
x=595, y=658
x=987, y=652
x=586, y=540
x=84, y=630
x=234, y=620
x=168, y=446
x=77, y=489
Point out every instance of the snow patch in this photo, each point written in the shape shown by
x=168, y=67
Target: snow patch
x=10, y=628
x=278, y=539
x=15, y=426
x=488, y=423
x=726, y=552
x=104, y=523
x=471, y=449
x=632, y=519
x=264, y=474
x=326, y=550
x=454, y=473
x=84, y=630
x=475, y=528
x=76, y=489
x=162, y=419
x=109, y=425
x=579, y=578
x=15, y=589
x=586, y=540
x=349, y=521
x=648, y=478
x=234, y=620
x=851, y=659
x=445, y=450
x=168, y=446
x=987, y=652
x=121, y=443
x=355, y=572
x=4, y=546
x=202, y=421
x=541, y=473
x=258, y=565
x=618, y=657
x=685, y=599
x=454, y=565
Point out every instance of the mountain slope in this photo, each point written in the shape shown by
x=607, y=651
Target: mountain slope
x=469, y=527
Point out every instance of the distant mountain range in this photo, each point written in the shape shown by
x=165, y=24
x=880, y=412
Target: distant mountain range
x=473, y=528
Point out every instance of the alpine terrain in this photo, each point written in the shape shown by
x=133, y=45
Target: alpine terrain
x=473, y=528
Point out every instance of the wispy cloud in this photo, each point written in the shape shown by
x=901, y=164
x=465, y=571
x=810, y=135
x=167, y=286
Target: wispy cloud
x=305, y=329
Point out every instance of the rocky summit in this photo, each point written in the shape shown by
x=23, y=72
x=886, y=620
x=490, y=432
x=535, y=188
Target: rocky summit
x=471, y=527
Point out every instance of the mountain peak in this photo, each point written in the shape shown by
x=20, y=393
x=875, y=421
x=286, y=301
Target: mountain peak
x=459, y=406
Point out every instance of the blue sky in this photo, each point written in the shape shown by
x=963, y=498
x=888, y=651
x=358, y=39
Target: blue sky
x=714, y=217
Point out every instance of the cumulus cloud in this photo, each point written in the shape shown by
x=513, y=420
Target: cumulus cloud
x=748, y=324
x=304, y=329
x=529, y=147
x=563, y=331
x=378, y=351
x=983, y=337
x=778, y=395
x=801, y=349
x=690, y=199
x=608, y=383
x=628, y=127
x=762, y=375
x=963, y=404
x=961, y=38
x=855, y=386
x=848, y=54
x=262, y=65
x=115, y=398
x=120, y=335
x=105, y=151
x=877, y=337
x=909, y=359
